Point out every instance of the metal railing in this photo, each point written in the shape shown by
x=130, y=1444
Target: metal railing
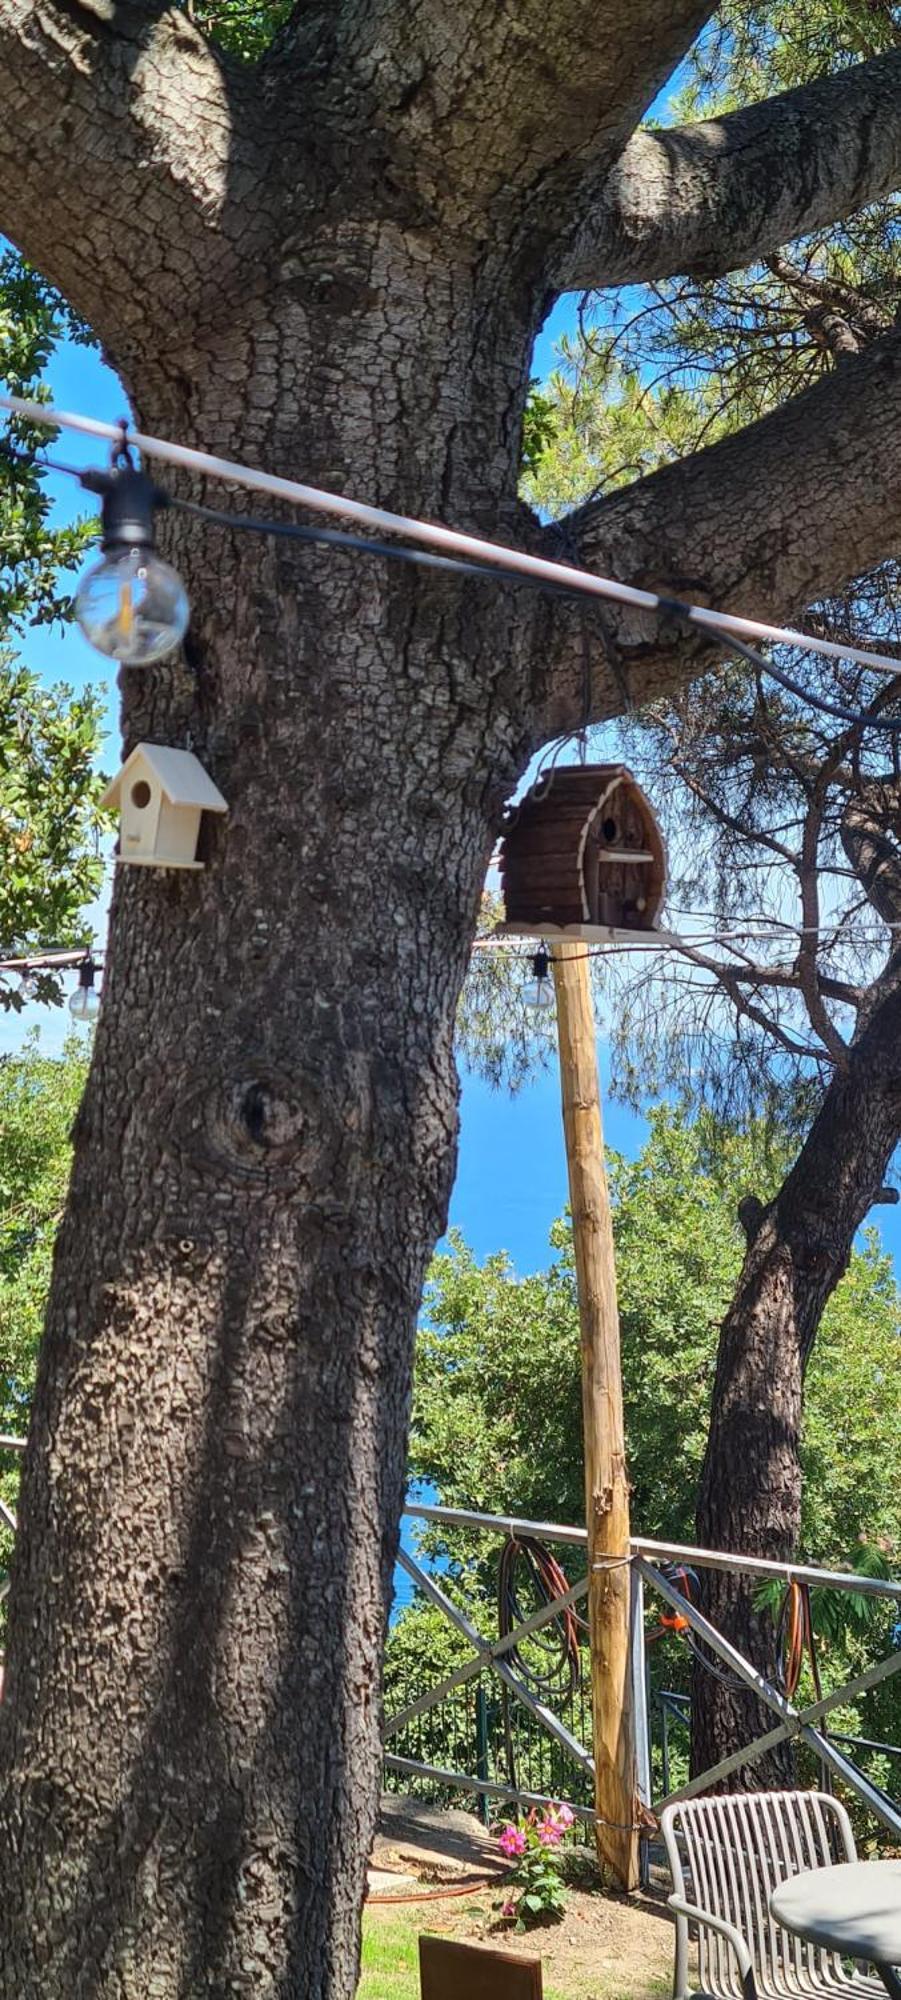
x=489, y=1657
x=565, y=1733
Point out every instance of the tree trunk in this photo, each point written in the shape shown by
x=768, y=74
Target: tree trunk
x=265, y=1152
x=798, y=1249
x=331, y=263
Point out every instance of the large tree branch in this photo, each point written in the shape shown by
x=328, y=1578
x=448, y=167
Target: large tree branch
x=783, y=978
x=806, y=962
x=131, y=163
x=492, y=109
x=733, y=985
x=871, y=832
x=706, y=198
x=783, y=513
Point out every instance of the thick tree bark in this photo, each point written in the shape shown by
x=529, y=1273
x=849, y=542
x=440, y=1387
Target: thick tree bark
x=798, y=1249
x=286, y=266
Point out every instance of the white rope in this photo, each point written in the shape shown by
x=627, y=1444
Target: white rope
x=434, y=536
x=705, y=941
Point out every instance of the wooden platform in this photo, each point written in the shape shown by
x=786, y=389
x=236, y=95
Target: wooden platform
x=591, y=934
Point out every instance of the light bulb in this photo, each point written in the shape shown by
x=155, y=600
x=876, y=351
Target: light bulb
x=28, y=984
x=84, y=1003
x=538, y=993
x=133, y=607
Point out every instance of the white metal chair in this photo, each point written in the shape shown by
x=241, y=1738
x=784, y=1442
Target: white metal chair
x=727, y=1854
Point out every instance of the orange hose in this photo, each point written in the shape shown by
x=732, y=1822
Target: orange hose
x=440, y=1895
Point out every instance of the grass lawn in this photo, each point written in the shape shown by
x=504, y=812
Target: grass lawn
x=391, y=1954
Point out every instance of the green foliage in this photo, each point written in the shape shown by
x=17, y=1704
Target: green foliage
x=653, y=374
x=49, y=737
x=497, y=1403
x=241, y=27
x=657, y=371
x=497, y=1036
x=50, y=820
x=497, y=1410
x=39, y=1096
x=539, y=427
x=32, y=552
x=752, y=49
x=422, y=1634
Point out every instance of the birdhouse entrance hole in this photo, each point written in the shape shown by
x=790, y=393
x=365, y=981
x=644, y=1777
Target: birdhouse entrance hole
x=141, y=794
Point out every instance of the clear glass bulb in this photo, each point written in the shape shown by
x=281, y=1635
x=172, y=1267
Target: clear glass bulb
x=28, y=985
x=133, y=607
x=539, y=995
x=84, y=1004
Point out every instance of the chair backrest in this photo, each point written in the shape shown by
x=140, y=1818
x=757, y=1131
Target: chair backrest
x=729, y=1852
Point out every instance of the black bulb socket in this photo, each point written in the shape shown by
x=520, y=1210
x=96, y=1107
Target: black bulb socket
x=540, y=964
x=129, y=502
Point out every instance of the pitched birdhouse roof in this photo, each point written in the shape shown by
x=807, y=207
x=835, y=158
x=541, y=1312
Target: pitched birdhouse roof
x=179, y=774
x=582, y=853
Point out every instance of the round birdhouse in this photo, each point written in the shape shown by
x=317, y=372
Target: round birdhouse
x=583, y=853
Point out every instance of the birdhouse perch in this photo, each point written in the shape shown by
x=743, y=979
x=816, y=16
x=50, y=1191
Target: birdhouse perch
x=583, y=856
x=160, y=794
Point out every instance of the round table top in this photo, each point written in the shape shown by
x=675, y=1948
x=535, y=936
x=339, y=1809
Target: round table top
x=853, y=1908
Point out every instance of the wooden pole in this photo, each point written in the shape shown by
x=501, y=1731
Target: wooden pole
x=606, y=1484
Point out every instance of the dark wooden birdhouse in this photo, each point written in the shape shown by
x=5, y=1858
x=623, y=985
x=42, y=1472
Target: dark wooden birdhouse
x=582, y=853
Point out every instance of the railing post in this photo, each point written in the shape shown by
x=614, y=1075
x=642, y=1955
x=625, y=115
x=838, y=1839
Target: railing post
x=640, y=1707
x=482, y=1750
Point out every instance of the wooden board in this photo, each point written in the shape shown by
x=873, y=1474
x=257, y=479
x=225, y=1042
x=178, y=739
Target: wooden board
x=451, y=1971
x=586, y=933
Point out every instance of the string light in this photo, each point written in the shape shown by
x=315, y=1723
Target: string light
x=84, y=1004
x=538, y=993
x=131, y=606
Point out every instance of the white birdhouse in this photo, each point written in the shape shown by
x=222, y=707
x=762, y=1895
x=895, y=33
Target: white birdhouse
x=161, y=794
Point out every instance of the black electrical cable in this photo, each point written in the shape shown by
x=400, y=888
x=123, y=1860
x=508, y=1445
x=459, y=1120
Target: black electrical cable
x=855, y=718
x=340, y=538
x=688, y=1584
x=427, y=559
x=336, y=538
x=398, y=552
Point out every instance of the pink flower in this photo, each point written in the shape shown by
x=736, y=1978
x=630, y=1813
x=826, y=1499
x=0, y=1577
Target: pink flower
x=563, y=1815
x=508, y=1908
x=549, y=1834
x=513, y=1841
